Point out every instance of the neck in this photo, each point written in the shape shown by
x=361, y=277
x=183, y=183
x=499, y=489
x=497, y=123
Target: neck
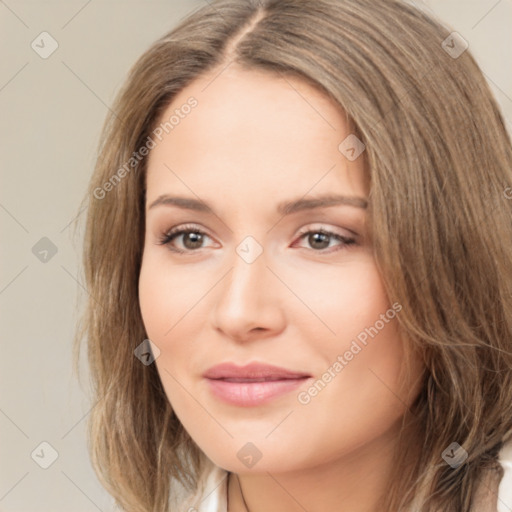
x=355, y=482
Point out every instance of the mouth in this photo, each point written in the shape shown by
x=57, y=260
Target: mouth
x=252, y=372
x=252, y=385
x=262, y=379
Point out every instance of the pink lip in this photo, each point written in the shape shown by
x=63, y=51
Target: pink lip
x=253, y=384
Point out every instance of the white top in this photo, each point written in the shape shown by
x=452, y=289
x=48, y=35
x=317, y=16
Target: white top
x=212, y=488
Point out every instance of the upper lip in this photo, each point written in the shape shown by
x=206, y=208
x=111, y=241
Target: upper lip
x=255, y=370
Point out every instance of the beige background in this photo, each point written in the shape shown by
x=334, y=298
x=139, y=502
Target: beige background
x=52, y=111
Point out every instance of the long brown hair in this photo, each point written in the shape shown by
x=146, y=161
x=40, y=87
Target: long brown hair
x=440, y=216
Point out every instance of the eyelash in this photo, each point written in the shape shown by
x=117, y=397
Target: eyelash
x=167, y=237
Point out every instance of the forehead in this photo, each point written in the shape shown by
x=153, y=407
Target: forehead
x=253, y=133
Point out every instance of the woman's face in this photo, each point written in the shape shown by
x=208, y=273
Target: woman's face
x=253, y=281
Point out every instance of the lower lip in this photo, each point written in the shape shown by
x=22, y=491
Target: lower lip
x=250, y=394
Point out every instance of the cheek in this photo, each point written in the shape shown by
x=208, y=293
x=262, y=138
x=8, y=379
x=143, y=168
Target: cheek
x=166, y=314
x=173, y=302
x=345, y=299
x=359, y=383
x=167, y=294
x=154, y=300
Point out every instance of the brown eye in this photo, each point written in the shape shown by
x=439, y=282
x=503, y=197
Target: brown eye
x=191, y=237
x=320, y=239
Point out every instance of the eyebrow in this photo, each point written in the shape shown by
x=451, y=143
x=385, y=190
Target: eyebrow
x=284, y=208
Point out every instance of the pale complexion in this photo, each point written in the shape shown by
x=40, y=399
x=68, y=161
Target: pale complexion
x=256, y=140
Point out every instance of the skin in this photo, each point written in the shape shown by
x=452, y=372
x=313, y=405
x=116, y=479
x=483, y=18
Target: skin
x=254, y=140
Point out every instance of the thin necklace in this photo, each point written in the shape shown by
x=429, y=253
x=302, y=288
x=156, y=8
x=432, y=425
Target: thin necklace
x=243, y=499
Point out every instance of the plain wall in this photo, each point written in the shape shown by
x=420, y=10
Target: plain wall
x=52, y=111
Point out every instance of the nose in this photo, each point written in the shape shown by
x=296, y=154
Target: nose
x=249, y=301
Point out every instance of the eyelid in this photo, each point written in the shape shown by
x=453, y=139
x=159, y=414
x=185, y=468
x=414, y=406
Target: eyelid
x=319, y=226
